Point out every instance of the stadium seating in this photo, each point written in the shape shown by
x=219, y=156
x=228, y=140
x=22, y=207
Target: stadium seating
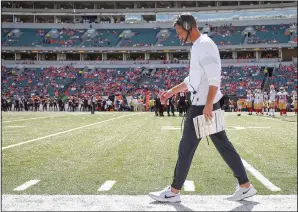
x=103, y=38
x=140, y=37
x=63, y=37
x=28, y=37
x=172, y=40
x=223, y=35
x=270, y=34
x=227, y=35
x=235, y=80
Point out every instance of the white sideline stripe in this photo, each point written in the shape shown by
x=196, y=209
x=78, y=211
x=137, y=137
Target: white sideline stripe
x=258, y=127
x=276, y=119
x=228, y=128
x=59, y=133
x=43, y=117
x=243, y=128
x=107, y=185
x=238, y=128
x=189, y=185
x=170, y=128
x=15, y=126
x=26, y=185
x=145, y=203
x=260, y=177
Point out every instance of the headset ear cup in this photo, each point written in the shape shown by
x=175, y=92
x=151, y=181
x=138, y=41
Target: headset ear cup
x=186, y=26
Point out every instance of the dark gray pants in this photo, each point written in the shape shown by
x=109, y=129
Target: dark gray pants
x=93, y=108
x=189, y=143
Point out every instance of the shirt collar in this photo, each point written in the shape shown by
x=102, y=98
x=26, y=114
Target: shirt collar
x=198, y=39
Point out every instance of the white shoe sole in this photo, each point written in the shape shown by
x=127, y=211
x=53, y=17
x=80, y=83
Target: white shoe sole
x=160, y=199
x=250, y=193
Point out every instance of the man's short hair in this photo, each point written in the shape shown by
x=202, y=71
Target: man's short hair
x=185, y=18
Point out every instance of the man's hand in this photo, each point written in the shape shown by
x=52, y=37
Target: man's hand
x=165, y=95
x=208, y=111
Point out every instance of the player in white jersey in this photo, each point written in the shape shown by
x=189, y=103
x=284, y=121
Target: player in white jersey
x=272, y=101
x=182, y=103
x=294, y=103
x=239, y=107
x=261, y=106
x=265, y=104
x=249, y=99
x=258, y=101
x=282, y=100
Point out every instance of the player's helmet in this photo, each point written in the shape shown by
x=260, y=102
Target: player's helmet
x=265, y=93
x=281, y=89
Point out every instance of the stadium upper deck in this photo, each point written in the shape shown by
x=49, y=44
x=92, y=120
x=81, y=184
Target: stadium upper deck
x=59, y=31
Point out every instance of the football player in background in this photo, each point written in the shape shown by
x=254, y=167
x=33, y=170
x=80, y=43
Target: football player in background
x=261, y=105
x=257, y=102
x=294, y=98
x=239, y=107
x=182, y=103
x=266, y=102
x=249, y=99
x=272, y=101
x=282, y=99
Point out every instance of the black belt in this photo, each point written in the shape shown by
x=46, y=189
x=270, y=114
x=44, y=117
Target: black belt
x=216, y=106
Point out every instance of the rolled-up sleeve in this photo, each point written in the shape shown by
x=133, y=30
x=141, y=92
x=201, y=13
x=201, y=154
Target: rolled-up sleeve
x=187, y=82
x=210, y=62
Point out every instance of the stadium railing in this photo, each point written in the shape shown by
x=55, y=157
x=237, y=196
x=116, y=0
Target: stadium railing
x=138, y=62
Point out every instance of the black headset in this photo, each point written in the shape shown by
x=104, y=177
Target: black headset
x=181, y=20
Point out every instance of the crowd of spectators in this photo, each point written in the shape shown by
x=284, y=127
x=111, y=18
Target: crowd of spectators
x=66, y=37
x=132, y=81
x=105, y=82
x=272, y=34
x=103, y=38
x=224, y=32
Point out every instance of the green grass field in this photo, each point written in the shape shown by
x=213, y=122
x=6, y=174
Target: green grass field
x=134, y=151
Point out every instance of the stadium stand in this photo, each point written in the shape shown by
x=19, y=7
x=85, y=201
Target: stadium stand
x=222, y=35
x=47, y=81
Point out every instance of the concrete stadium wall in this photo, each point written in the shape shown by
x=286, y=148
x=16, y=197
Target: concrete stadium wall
x=143, y=25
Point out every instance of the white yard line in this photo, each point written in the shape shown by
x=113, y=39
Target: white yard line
x=66, y=131
x=275, y=119
x=170, y=128
x=26, y=185
x=260, y=177
x=189, y=185
x=145, y=203
x=228, y=128
x=107, y=185
x=43, y=117
x=15, y=126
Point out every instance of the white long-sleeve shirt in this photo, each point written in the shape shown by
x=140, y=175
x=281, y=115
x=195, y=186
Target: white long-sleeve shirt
x=205, y=70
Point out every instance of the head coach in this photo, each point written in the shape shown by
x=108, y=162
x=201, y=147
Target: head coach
x=204, y=84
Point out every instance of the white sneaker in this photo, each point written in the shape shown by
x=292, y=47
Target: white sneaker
x=165, y=195
x=242, y=193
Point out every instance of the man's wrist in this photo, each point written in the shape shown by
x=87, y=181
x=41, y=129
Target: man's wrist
x=173, y=91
